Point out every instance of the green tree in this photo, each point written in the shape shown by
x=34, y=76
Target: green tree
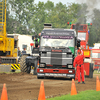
x=38, y=18
x=9, y=23
x=29, y=17
x=58, y=16
x=23, y=11
x=94, y=36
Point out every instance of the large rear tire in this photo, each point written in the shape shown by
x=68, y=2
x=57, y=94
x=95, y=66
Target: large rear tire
x=23, y=66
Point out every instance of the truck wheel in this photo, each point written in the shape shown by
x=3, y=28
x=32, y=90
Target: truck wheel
x=23, y=65
x=35, y=67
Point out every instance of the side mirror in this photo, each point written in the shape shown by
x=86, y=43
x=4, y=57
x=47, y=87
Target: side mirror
x=36, y=42
x=33, y=37
x=78, y=43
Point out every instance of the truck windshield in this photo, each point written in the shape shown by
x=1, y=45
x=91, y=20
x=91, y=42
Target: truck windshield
x=81, y=36
x=55, y=42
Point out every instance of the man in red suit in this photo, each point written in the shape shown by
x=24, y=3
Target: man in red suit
x=78, y=62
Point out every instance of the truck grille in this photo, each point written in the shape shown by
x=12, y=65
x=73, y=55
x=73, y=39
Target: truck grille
x=56, y=58
x=56, y=55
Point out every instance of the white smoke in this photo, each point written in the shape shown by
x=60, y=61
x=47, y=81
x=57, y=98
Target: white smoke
x=91, y=4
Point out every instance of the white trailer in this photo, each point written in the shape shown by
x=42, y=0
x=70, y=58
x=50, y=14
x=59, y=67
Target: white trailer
x=23, y=41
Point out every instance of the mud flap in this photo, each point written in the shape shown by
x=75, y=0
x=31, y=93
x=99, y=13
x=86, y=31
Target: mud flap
x=28, y=69
x=35, y=67
x=91, y=71
x=76, y=75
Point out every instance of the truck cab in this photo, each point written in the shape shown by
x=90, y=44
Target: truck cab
x=83, y=34
x=57, y=52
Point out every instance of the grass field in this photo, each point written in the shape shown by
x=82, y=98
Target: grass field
x=84, y=95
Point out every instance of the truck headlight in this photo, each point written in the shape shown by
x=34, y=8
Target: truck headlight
x=41, y=70
x=42, y=65
x=35, y=55
x=70, y=66
x=70, y=71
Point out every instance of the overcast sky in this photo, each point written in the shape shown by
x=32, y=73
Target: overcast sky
x=91, y=3
x=57, y=1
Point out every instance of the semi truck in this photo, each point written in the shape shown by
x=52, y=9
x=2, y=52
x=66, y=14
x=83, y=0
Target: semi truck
x=83, y=34
x=57, y=52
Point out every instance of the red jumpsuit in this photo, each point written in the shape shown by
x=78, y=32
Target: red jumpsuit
x=78, y=61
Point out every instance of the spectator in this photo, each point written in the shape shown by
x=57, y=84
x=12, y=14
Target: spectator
x=19, y=52
x=24, y=51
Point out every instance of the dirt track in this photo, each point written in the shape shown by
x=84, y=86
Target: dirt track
x=22, y=86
